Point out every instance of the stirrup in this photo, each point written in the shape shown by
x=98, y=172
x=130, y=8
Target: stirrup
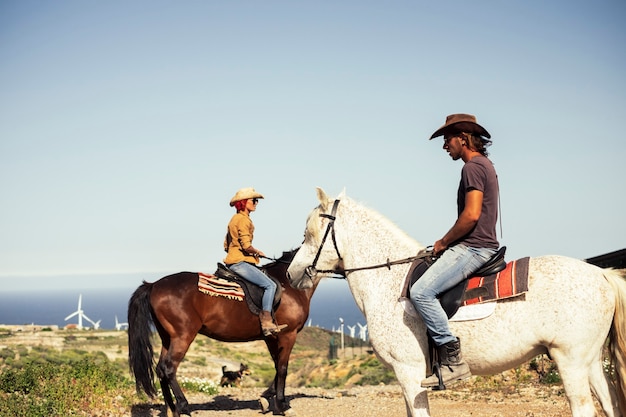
x=268, y=332
x=436, y=373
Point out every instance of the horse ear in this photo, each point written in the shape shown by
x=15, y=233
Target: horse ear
x=342, y=195
x=323, y=198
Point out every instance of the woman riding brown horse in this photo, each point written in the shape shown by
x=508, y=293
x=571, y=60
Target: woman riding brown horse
x=242, y=258
x=179, y=311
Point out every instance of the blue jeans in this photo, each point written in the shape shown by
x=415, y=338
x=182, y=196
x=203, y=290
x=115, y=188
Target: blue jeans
x=253, y=274
x=453, y=266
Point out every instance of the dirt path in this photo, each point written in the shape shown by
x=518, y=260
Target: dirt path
x=380, y=401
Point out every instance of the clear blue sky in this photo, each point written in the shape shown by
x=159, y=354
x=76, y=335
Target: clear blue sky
x=126, y=127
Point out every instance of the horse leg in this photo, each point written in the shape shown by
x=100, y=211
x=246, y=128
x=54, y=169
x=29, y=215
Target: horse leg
x=575, y=375
x=282, y=405
x=271, y=389
x=415, y=397
x=267, y=395
x=280, y=349
x=270, y=392
x=165, y=386
x=166, y=371
x=164, y=380
x=603, y=389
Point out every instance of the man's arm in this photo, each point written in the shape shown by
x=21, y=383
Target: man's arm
x=464, y=224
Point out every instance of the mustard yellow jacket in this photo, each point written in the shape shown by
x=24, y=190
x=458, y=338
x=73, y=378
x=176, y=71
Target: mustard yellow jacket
x=239, y=238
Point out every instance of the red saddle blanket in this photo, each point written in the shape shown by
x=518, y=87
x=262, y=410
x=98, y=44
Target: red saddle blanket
x=510, y=282
x=218, y=287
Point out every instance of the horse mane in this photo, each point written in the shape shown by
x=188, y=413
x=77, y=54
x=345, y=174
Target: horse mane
x=285, y=258
x=358, y=210
x=282, y=262
x=312, y=225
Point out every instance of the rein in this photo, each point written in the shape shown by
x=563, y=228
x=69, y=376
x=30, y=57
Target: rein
x=275, y=260
x=311, y=270
x=421, y=255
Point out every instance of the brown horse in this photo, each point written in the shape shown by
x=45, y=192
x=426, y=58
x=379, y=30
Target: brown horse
x=179, y=312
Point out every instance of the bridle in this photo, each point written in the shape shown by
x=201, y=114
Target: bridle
x=311, y=271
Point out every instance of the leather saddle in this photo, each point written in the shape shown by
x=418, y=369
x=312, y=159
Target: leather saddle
x=253, y=293
x=452, y=299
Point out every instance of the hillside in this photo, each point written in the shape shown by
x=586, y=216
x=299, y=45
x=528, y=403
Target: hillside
x=309, y=365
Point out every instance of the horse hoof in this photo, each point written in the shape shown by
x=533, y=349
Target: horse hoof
x=265, y=405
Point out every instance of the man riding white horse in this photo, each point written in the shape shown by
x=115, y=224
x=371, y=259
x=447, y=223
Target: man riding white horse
x=466, y=246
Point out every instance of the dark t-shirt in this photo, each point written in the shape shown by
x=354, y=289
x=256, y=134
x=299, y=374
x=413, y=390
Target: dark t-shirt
x=479, y=174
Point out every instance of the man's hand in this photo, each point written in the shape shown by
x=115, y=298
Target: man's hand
x=439, y=247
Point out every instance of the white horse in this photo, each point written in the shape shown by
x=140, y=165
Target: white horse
x=570, y=309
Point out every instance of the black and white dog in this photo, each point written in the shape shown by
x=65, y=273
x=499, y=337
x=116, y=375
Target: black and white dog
x=233, y=378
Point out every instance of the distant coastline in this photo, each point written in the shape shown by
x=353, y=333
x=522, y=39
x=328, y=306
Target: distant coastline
x=49, y=307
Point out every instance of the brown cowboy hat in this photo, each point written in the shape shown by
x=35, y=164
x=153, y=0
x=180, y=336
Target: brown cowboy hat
x=460, y=122
x=244, y=194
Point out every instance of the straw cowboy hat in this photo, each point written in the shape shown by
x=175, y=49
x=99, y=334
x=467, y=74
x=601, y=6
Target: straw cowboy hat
x=244, y=194
x=460, y=122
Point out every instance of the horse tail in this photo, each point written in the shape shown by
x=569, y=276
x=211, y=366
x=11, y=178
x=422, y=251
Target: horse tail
x=617, y=335
x=140, y=351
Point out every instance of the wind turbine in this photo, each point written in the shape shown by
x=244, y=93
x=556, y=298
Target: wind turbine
x=80, y=314
x=362, y=331
x=352, y=330
x=96, y=325
x=120, y=326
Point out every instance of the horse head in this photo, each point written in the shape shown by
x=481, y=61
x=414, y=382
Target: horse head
x=341, y=237
x=319, y=254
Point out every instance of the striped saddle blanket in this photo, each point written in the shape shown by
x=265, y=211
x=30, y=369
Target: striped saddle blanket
x=510, y=282
x=218, y=287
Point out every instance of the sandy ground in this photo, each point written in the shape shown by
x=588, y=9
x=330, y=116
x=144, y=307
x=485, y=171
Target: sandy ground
x=372, y=401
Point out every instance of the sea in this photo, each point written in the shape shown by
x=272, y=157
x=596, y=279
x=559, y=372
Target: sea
x=331, y=303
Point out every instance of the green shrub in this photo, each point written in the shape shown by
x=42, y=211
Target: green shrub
x=373, y=372
x=7, y=353
x=546, y=369
x=552, y=377
x=51, y=384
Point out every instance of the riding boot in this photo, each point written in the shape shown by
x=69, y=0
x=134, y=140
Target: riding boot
x=453, y=367
x=268, y=326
